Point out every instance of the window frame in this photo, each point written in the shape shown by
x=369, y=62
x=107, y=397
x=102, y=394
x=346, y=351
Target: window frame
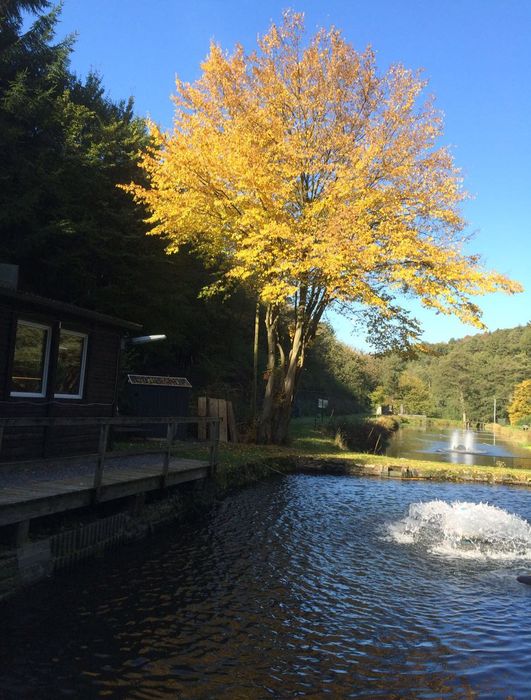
x=45, y=363
x=83, y=367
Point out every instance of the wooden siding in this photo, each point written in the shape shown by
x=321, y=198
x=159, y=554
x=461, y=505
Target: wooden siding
x=98, y=398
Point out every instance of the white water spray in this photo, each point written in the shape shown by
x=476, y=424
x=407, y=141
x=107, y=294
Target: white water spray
x=462, y=442
x=464, y=530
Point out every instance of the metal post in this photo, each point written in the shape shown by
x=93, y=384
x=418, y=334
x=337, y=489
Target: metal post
x=494, y=418
x=98, y=475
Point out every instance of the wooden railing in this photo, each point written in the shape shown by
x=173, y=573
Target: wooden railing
x=209, y=425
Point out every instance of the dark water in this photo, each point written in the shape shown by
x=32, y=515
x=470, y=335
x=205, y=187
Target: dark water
x=287, y=589
x=434, y=444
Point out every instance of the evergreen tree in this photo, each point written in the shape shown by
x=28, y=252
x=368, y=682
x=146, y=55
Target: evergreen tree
x=75, y=235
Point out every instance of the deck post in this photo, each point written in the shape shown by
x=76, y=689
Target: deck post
x=98, y=474
x=170, y=433
x=22, y=533
x=214, y=444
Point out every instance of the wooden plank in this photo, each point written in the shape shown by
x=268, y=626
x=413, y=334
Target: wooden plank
x=25, y=507
x=98, y=474
x=181, y=477
x=201, y=412
x=214, y=445
x=120, y=476
x=231, y=421
x=222, y=415
x=15, y=512
x=46, y=488
x=95, y=421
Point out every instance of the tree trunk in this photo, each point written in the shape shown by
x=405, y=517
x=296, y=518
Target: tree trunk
x=282, y=380
x=265, y=427
x=284, y=366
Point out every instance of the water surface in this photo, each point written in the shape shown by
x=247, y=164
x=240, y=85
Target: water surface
x=435, y=444
x=294, y=587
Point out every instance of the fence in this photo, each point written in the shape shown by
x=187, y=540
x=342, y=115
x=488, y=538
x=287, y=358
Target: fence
x=105, y=424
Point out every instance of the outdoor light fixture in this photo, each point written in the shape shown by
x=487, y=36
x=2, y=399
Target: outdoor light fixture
x=143, y=339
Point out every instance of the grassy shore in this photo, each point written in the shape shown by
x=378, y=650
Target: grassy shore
x=512, y=433
x=311, y=447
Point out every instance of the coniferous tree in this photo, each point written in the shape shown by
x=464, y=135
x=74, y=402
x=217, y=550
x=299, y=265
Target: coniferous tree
x=76, y=236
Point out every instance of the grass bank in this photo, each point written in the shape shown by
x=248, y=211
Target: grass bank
x=311, y=448
x=512, y=433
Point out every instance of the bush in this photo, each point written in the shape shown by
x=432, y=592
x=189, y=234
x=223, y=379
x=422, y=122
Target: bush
x=363, y=434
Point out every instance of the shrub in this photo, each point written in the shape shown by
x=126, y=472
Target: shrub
x=363, y=434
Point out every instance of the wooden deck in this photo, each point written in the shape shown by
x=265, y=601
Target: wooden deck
x=37, y=497
x=31, y=490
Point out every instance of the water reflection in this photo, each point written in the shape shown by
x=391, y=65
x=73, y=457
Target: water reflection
x=456, y=447
x=288, y=589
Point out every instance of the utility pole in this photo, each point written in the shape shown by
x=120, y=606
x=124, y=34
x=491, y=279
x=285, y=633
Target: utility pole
x=494, y=422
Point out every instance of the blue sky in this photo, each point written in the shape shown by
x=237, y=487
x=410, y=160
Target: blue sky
x=476, y=55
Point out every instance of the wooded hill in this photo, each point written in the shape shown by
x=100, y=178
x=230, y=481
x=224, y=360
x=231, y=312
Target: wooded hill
x=459, y=376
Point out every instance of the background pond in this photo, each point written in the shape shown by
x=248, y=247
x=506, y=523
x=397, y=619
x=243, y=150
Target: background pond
x=300, y=586
x=435, y=444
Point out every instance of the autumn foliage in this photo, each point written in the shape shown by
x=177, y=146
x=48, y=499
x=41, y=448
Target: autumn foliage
x=317, y=180
x=520, y=407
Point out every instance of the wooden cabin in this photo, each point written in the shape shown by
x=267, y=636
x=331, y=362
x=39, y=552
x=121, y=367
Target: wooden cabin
x=56, y=359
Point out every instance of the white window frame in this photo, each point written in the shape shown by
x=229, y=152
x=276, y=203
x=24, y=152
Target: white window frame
x=83, y=367
x=46, y=361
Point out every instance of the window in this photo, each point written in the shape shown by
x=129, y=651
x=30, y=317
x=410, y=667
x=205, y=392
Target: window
x=30, y=362
x=71, y=360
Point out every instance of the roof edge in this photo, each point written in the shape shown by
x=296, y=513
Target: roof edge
x=65, y=307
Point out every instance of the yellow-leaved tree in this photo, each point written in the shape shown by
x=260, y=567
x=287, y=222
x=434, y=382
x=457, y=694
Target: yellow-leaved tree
x=317, y=180
x=520, y=407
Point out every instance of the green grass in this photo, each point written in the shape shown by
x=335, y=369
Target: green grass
x=309, y=439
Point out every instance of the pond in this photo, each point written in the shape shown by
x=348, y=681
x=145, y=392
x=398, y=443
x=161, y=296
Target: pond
x=299, y=586
x=457, y=446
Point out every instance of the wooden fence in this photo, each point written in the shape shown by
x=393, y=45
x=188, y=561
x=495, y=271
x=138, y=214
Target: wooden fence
x=208, y=425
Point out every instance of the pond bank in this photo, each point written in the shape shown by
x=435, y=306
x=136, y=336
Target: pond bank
x=512, y=434
x=397, y=468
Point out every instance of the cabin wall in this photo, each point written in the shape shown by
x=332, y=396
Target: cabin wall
x=102, y=365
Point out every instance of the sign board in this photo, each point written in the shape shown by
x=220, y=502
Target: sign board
x=152, y=380
x=322, y=403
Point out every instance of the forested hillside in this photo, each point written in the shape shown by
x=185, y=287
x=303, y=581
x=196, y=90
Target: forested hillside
x=460, y=376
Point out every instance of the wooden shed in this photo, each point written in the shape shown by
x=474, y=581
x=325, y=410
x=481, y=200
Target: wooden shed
x=56, y=360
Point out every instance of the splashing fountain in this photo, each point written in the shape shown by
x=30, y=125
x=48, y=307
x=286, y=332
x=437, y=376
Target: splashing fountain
x=464, y=530
x=462, y=441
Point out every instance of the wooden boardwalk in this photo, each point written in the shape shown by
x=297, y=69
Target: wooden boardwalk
x=35, y=493
x=37, y=488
